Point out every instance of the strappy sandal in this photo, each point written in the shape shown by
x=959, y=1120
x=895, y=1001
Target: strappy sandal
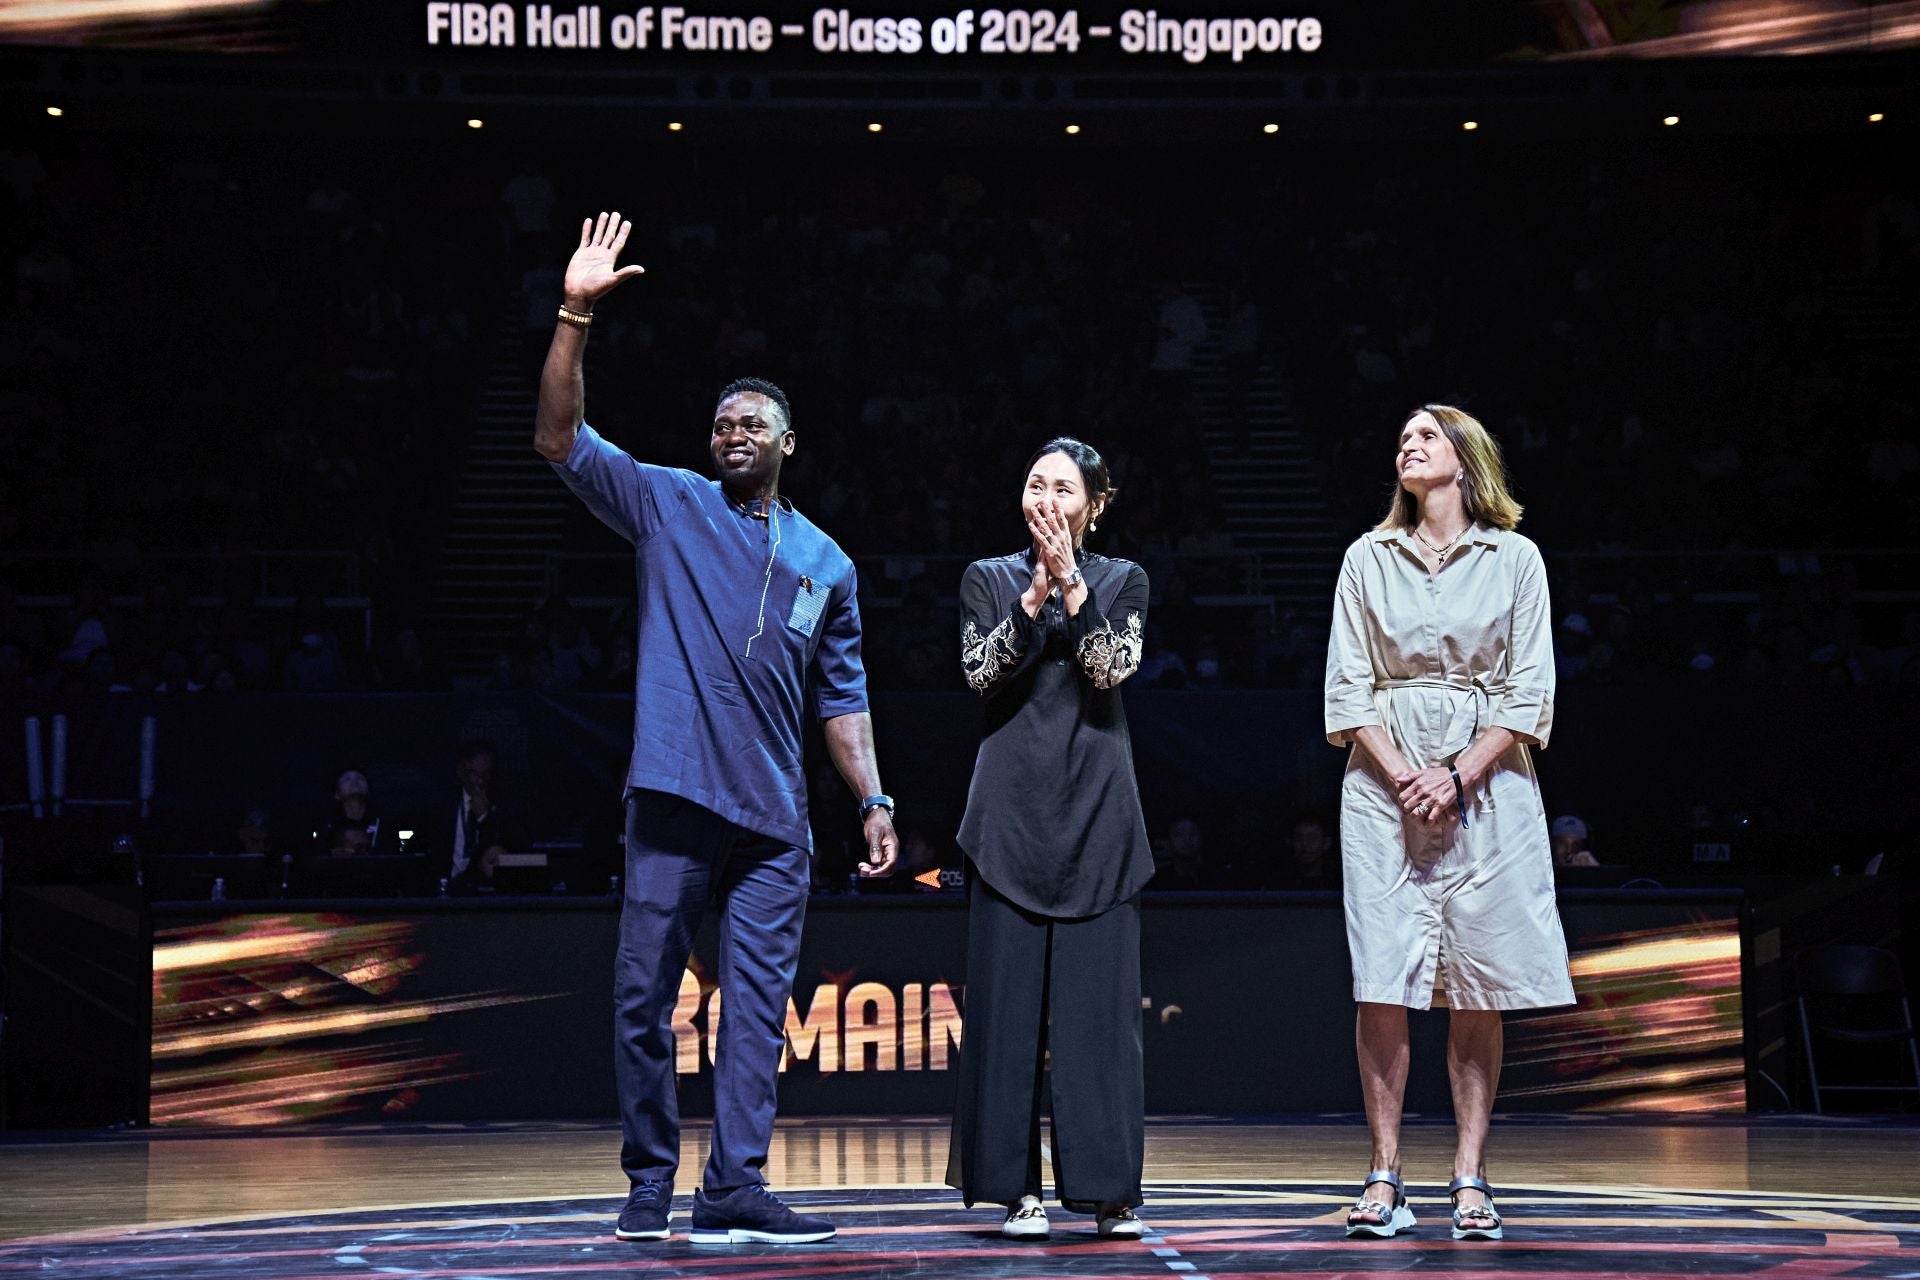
x=1394, y=1218
x=1480, y=1221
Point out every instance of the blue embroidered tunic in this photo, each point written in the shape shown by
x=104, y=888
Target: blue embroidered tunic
x=738, y=616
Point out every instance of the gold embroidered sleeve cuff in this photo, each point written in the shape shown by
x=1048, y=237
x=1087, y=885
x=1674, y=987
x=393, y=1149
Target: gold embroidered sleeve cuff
x=986, y=659
x=1109, y=656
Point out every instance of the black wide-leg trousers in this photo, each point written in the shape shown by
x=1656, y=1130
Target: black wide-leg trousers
x=1052, y=1008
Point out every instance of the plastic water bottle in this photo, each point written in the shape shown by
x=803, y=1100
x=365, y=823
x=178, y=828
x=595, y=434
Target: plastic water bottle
x=613, y=885
x=443, y=886
x=219, y=889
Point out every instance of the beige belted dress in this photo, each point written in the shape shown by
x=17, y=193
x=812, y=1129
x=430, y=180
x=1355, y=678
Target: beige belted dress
x=1463, y=911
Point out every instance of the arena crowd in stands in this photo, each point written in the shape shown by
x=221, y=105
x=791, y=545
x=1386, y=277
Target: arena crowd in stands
x=1688, y=362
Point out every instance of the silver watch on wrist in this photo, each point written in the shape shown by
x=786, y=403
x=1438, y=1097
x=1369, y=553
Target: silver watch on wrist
x=1073, y=579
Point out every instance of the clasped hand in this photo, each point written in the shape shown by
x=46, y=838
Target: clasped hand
x=1427, y=794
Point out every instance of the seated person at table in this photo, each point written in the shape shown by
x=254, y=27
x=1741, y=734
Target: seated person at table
x=1311, y=861
x=354, y=827
x=1571, y=843
x=1178, y=860
x=255, y=833
x=478, y=830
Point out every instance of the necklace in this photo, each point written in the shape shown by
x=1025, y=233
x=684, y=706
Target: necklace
x=1440, y=551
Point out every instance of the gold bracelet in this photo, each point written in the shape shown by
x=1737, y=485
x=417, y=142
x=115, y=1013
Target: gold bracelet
x=578, y=319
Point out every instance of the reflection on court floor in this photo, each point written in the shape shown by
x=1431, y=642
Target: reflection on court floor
x=1197, y=1230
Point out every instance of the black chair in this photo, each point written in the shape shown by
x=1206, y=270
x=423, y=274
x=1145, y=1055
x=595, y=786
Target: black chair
x=1853, y=995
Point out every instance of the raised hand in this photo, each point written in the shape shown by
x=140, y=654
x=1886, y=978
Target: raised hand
x=591, y=274
x=1037, y=590
x=1052, y=540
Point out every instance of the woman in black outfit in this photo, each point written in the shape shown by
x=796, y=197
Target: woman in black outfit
x=1058, y=855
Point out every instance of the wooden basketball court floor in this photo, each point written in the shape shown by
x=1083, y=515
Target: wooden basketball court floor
x=1583, y=1197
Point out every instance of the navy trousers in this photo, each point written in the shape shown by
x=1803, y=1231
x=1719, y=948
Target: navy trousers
x=680, y=857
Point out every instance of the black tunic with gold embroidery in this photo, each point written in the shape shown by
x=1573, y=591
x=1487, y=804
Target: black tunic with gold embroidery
x=1053, y=816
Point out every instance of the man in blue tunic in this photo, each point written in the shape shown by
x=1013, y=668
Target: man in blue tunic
x=744, y=604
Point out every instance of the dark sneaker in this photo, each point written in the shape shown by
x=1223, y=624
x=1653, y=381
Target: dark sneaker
x=753, y=1213
x=644, y=1217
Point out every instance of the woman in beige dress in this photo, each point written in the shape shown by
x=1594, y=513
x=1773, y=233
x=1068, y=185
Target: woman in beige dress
x=1440, y=677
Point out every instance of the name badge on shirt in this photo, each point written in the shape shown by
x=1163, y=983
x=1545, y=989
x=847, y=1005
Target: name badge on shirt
x=809, y=602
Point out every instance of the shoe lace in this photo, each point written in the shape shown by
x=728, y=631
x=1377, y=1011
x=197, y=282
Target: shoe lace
x=761, y=1193
x=645, y=1193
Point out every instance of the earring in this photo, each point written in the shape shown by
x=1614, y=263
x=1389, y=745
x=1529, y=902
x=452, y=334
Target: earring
x=1460, y=474
x=1093, y=526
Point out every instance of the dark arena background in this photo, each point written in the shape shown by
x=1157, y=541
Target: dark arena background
x=281, y=276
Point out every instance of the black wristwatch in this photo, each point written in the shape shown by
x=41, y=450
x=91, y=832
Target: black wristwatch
x=871, y=803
